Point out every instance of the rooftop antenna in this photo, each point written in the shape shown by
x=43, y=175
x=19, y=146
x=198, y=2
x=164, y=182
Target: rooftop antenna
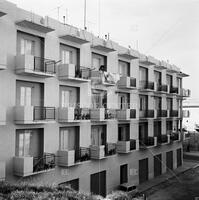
x=85, y=15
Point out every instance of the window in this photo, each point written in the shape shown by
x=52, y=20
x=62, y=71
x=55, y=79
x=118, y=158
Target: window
x=124, y=101
x=98, y=135
x=65, y=101
x=143, y=74
x=98, y=61
x=123, y=132
x=66, y=56
x=124, y=68
x=27, y=47
x=143, y=102
x=158, y=103
x=99, y=99
x=68, y=138
x=25, y=96
x=169, y=80
x=157, y=77
x=23, y=143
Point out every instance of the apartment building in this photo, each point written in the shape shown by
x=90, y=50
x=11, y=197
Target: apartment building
x=82, y=111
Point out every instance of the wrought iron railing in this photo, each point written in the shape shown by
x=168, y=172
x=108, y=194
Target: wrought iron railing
x=132, y=113
x=173, y=90
x=162, y=88
x=82, y=72
x=45, y=162
x=110, y=149
x=81, y=114
x=110, y=113
x=82, y=154
x=44, y=65
x=147, y=85
x=43, y=113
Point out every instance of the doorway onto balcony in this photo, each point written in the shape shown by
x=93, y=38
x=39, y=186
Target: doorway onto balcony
x=143, y=133
x=123, y=132
x=98, y=135
x=123, y=100
x=157, y=130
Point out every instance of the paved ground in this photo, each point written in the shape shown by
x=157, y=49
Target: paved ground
x=182, y=186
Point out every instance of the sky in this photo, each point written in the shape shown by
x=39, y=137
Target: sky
x=167, y=30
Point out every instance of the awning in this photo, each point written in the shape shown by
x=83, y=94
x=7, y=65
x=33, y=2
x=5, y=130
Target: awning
x=127, y=56
x=74, y=39
x=103, y=48
x=2, y=13
x=34, y=26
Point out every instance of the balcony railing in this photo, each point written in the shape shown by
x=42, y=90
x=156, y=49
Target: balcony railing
x=132, y=113
x=127, y=82
x=173, y=113
x=45, y=162
x=110, y=149
x=162, y=139
x=173, y=90
x=132, y=144
x=132, y=82
x=147, y=114
x=82, y=72
x=82, y=114
x=44, y=65
x=174, y=136
x=43, y=113
x=186, y=92
x=110, y=114
x=146, y=142
x=161, y=113
x=146, y=85
x=162, y=88
x=82, y=154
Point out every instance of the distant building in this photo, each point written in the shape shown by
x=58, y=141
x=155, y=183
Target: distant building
x=79, y=110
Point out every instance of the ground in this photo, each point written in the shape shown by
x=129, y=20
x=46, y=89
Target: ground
x=182, y=187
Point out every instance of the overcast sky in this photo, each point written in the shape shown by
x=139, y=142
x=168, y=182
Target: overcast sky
x=167, y=30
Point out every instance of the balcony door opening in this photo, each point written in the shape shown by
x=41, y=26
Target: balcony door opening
x=143, y=76
x=124, y=101
x=123, y=132
x=169, y=126
x=99, y=99
x=124, y=68
x=158, y=78
x=99, y=62
x=143, y=106
x=98, y=135
x=143, y=132
x=169, y=80
x=157, y=130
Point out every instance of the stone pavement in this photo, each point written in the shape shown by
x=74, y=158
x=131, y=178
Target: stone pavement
x=187, y=165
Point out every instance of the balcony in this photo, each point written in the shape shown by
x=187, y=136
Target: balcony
x=2, y=170
x=146, y=86
x=146, y=114
x=71, y=72
x=110, y=114
x=147, y=142
x=173, y=90
x=2, y=116
x=72, y=114
x=186, y=135
x=27, y=166
x=160, y=113
x=103, y=78
x=186, y=93
x=126, y=114
x=162, y=88
x=68, y=158
x=174, y=113
x=163, y=139
x=97, y=152
x=174, y=136
x=34, y=114
x=127, y=83
x=110, y=149
x=102, y=114
x=35, y=66
x=126, y=146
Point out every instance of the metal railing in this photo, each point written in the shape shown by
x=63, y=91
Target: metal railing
x=110, y=149
x=44, y=65
x=82, y=154
x=43, y=113
x=162, y=139
x=162, y=88
x=110, y=114
x=145, y=142
x=147, y=85
x=173, y=113
x=147, y=114
x=132, y=113
x=174, y=136
x=132, y=144
x=173, y=90
x=45, y=162
x=82, y=72
x=82, y=114
x=161, y=113
x=133, y=82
